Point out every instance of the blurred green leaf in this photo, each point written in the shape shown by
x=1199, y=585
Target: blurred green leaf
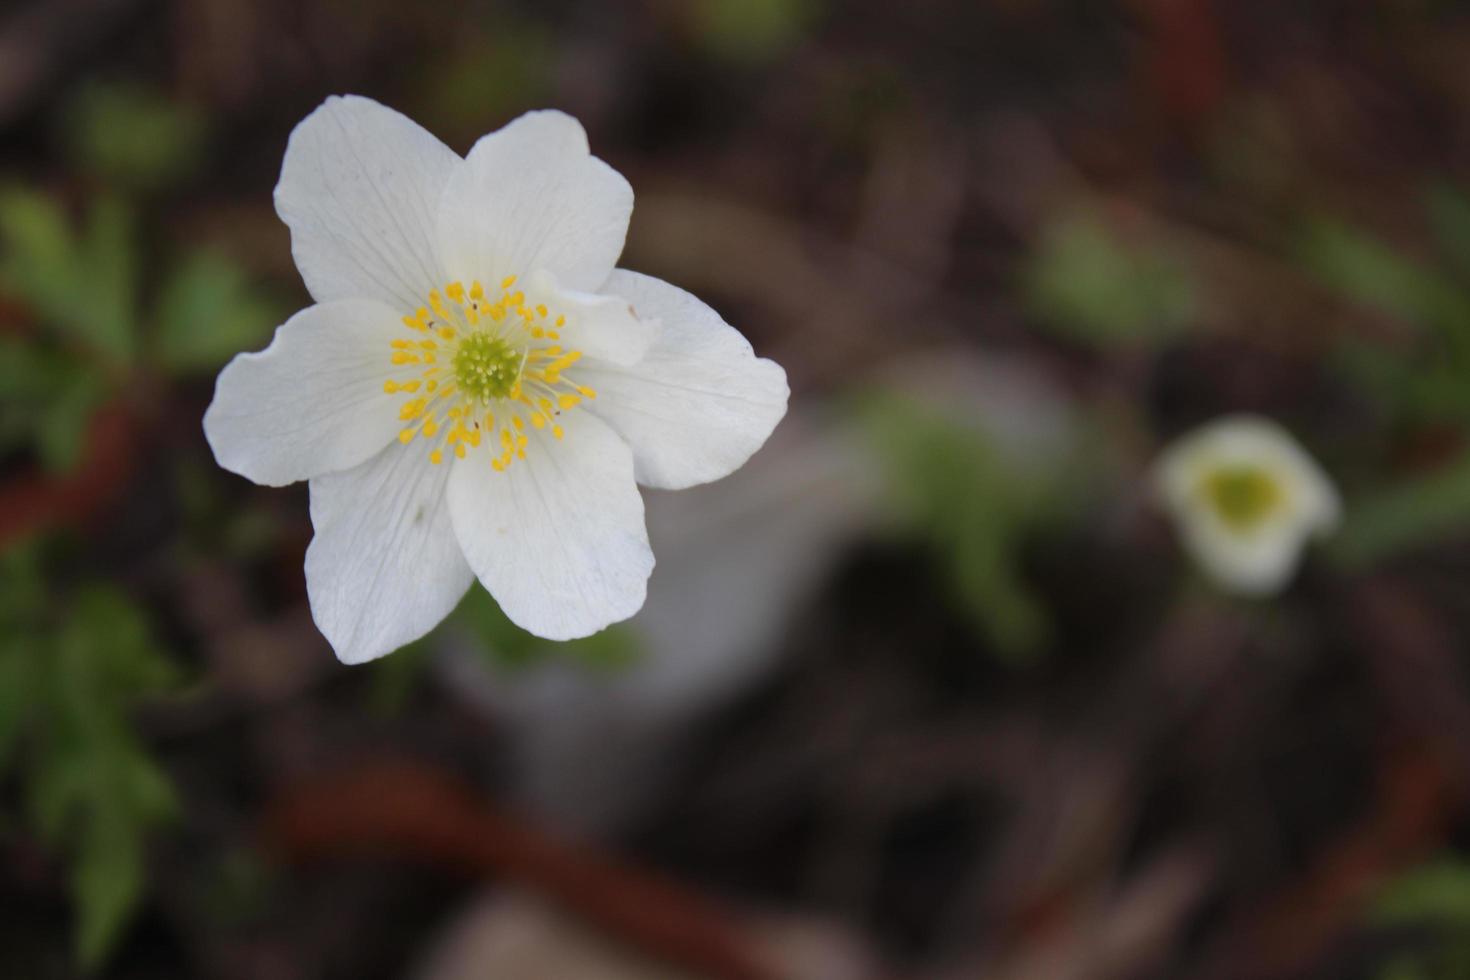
x=83, y=287
x=488, y=75
x=61, y=429
x=1449, y=215
x=92, y=790
x=1086, y=285
x=109, y=285
x=38, y=256
x=972, y=509
x=207, y=313
x=132, y=135
x=614, y=648
x=753, y=30
x=1436, y=893
x=1366, y=271
x=1415, y=511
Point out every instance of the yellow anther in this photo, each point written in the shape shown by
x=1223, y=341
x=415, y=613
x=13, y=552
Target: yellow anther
x=540, y=309
x=412, y=324
x=410, y=385
x=545, y=404
x=505, y=439
x=430, y=428
x=558, y=431
x=553, y=335
x=437, y=302
x=401, y=344
x=411, y=410
x=446, y=333
x=390, y=387
x=538, y=420
x=406, y=436
x=586, y=392
x=436, y=457
x=517, y=299
x=459, y=450
x=561, y=321
x=431, y=386
x=455, y=291
x=568, y=400
x=404, y=357
x=489, y=421
x=477, y=291
x=507, y=282
x=428, y=345
x=520, y=426
x=522, y=442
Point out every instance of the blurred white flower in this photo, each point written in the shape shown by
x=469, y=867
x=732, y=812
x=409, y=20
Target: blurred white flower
x=1246, y=499
x=477, y=388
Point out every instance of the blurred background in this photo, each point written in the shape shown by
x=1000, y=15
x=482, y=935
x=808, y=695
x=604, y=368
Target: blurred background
x=928, y=689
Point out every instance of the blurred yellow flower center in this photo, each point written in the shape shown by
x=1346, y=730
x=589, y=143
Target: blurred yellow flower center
x=1242, y=495
x=481, y=371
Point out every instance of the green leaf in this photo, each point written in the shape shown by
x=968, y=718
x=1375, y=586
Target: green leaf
x=38, y=260
x=973, y=511
x=107, y=882
x=1436, y=893
x=612, y=649
x=132, y=135
x=1086, y=285
x=1415, y=511
x=207, y=313
x=61, y=429
x=1366, y=271
x=83, y=288
x=109, y=257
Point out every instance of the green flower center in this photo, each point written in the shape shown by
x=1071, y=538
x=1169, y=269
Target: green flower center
x=486, y=367
x=1242, y=495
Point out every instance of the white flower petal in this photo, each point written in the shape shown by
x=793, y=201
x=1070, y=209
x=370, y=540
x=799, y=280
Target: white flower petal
x=606, y=327
x=558, y=538
x=699, y=403
x=310, y=403
x=384, y=567
x=530, y=196
x=1258, y=559
x=360, y=189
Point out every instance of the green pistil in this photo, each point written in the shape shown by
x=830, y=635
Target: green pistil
x=1243, y=495
x=486, y=367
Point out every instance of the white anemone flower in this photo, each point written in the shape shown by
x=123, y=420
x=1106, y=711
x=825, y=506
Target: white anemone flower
x=477, y=391
x=1246, y=499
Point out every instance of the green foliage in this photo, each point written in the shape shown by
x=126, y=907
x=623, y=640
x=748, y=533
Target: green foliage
x=1436, y=898
x=615, y=648
x=207, y=313
x=1413, y=512
x=503, y=644
x=132, y=135
x=1433, y=381
x=1086, y=285
x=753, y=31
x=488, y=75
x=973, y=509
x=70, y=673
x=83, y=284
